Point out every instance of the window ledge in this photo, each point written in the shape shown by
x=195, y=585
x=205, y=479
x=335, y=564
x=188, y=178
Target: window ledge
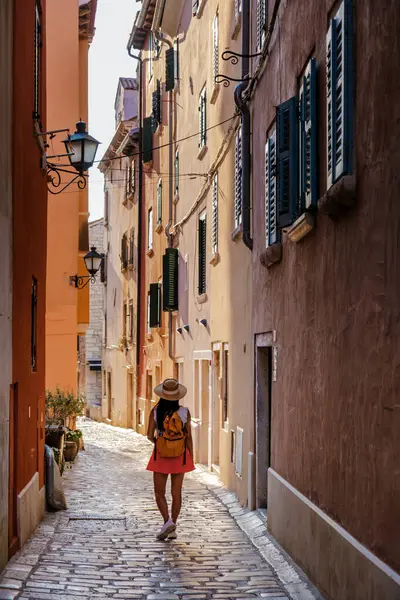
x=176, y=198
x=159, y=228
x=149, y=336
x=150, y=252
x=271, y=255
x=202, y=298
x=237, y=27
x=340, y=197
x=215, y=93
x=301, y=227
x=215, y=259
x=124, y=269
x=148, y=164
x=131, y=267
x=202, y=152
x=160, y=130
x=237, y=234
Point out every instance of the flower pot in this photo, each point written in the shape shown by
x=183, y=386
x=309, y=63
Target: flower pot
x=70, y=451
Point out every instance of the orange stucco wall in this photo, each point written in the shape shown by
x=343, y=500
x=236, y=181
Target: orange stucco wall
x=67, y=310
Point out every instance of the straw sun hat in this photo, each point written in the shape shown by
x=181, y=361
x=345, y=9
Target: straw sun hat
x=170, y=389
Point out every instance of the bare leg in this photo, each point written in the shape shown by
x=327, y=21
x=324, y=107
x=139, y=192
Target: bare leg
x=176, y=491
x=160, y=482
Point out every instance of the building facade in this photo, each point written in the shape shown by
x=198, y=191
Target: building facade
x=120, y=272
x=23, y=269
x=70, y=29
x=91, y=355
x=192, y=188
x=325, y=286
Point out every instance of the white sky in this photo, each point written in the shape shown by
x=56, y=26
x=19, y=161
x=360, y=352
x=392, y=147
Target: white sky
x=108, y=60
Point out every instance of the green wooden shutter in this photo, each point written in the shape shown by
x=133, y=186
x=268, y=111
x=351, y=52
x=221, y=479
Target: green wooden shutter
x=169, y=69
x=147, y=140
x=202, y=241
x=170, y=279
x=238, y=178
x=287, y=161
x=272, y=232
x=155, y=305
x=308, y=139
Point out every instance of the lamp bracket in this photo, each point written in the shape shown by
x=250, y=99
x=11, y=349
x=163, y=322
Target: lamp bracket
x=54, y=179
x=81, y=281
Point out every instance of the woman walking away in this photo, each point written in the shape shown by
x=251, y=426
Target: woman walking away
x=169, y=429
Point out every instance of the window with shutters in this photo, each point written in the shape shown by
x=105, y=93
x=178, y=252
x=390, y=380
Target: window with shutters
x=37, y=64
x=155, y=305
x=156, y=107
x=159, y=205
x=202, y=253
x=157, y=47
x=103, y=270
x=195, y=6
x=150, y=229
x=214, y=216
x=261, y=24
x=131, y=179
x=147, y=136
x=34, y=303
x=124, y=252
x=132, y=248
x=339, y=93
x=151, y=52
x=170, y=279
x=287, y=161
x=176, y=169
x=198, y=6
x=238, y=179
x=272, y=232
x=307, y=197
x=202, y=120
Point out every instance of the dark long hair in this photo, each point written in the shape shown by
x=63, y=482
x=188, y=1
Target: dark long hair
x=165, y=408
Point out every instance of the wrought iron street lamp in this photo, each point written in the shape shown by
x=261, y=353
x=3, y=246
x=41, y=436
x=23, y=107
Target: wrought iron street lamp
x=81, y=151
x=93, y=262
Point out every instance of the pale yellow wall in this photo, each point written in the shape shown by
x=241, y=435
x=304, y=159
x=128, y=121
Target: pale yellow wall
x=120, y=288
x=228, y=308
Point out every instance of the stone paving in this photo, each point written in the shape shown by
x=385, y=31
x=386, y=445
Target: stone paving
x=104, y=545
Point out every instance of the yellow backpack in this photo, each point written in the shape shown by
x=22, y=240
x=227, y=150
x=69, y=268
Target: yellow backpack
x=171, y=442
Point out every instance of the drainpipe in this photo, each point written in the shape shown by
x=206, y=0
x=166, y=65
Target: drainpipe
x=162, y=39
x=246, y=144
x=140, y=207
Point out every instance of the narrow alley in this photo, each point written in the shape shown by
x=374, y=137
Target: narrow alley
x=104, y=545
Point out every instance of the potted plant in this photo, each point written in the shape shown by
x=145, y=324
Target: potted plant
x=62, y=408
x=73, y=444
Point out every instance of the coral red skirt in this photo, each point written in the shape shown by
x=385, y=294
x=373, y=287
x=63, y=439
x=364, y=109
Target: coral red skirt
x=171, y=466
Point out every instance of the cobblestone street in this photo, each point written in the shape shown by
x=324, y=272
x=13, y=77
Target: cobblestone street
x=104, y=545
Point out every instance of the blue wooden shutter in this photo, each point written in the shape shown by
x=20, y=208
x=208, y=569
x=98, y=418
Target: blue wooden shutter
x=238, y=177
x=308, y=139
x=169, y=69
x=155, y=305
x=287, y=153
x=272, y=232
x=339, y=93
x=147, y=140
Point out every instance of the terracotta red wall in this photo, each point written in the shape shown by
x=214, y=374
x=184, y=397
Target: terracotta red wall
x=334, y=298
x=29, y=246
